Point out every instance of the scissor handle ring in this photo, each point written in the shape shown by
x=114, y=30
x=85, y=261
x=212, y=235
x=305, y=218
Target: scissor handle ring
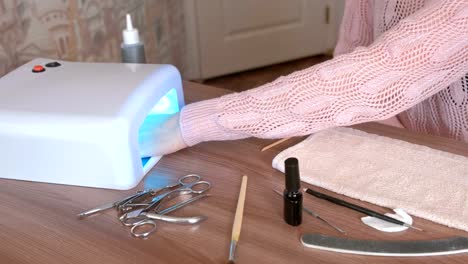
x=195, y=178
x=140, y=224
x=128, y=221
x=205, y=183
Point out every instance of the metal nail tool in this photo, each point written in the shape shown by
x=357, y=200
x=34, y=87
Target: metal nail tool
x=141, y=217
x=189, y=184
x=146, y=219
x=454, y=245
x=358, y=208
x=139, y=211
x=310, y=212
x=115, y=204
x=149, y=221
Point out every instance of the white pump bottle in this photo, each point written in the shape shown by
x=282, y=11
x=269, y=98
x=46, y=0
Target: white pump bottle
x=132, y=50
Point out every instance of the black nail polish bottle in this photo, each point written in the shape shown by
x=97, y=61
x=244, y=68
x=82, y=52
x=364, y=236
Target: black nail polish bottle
x=292, y=193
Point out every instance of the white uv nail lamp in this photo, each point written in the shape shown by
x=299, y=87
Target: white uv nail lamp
x=78, y=123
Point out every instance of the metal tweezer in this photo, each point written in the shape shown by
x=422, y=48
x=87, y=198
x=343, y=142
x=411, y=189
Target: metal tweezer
x=317, y=216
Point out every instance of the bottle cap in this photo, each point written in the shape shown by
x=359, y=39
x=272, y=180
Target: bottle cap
x=292, y=176
x=130, y=34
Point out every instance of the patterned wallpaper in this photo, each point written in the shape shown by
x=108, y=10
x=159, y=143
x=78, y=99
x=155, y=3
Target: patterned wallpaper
x=89, y=30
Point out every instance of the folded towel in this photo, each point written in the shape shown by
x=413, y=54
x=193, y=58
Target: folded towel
x=425, y=182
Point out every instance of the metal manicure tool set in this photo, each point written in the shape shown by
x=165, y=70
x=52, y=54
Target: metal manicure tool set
x=141, y=210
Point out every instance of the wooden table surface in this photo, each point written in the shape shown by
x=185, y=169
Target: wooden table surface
x=38, y=222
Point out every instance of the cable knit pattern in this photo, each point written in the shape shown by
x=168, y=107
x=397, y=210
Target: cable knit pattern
x=415, y=50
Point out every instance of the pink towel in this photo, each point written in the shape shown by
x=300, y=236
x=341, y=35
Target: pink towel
x=427, y=183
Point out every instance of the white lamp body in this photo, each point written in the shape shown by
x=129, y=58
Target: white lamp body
x=78, y=123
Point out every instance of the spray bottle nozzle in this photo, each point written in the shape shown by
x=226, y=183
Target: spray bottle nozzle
x=129, y=23
x=130, y=34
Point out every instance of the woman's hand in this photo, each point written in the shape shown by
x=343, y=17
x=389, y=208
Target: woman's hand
x=160, y=135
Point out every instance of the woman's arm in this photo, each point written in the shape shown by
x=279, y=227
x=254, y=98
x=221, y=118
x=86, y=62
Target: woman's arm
x=420, y=56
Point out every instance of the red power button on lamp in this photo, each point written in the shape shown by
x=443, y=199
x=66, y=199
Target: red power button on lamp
x=38, y=68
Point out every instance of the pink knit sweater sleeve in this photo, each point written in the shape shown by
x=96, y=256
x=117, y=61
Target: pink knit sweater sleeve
x=356, y=26
x=421, y=55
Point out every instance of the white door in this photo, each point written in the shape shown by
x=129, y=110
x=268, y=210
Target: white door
x=236, y=35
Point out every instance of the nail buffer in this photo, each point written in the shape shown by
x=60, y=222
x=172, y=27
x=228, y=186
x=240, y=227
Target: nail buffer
x=454, y=245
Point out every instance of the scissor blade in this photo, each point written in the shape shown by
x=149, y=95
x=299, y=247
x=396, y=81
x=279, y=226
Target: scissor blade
x=134, y=213
x=136, y=198
x=182, y=204
x=109, y=205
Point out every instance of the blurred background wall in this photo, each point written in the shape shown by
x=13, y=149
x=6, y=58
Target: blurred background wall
x=202, y=38
x=89, y=30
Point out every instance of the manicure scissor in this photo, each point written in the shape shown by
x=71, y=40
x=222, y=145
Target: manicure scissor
x=143, y=216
